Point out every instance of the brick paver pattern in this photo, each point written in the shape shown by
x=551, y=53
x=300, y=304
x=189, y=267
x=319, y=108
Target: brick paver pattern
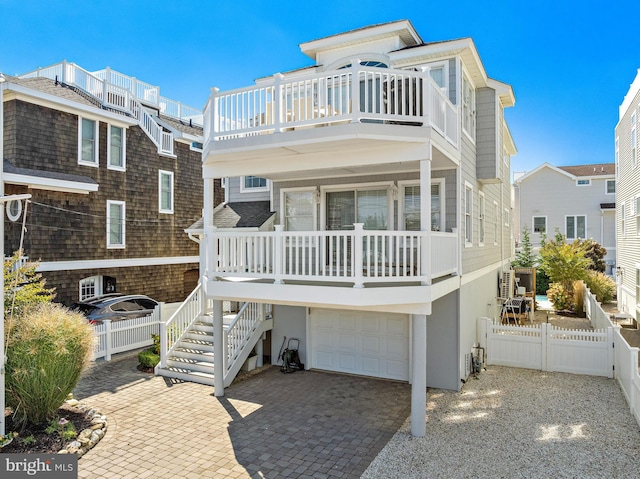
x=273, y=425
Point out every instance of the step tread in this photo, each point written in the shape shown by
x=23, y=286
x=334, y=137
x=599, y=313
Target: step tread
x=179, y=359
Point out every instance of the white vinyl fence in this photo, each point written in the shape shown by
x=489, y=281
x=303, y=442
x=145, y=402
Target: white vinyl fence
x=548, y=348
x=129, y=334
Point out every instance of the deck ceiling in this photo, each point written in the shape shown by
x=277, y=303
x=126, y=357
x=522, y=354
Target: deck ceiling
x=350, y=149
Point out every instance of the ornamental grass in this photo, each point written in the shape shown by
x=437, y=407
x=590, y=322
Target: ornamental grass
x=49, y=347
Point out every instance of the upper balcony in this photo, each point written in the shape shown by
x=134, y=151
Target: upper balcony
x=358, y=108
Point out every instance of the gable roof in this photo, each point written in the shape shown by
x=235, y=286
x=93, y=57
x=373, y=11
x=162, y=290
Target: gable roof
x=247, y=214
x=573, y=172
x=598, y=169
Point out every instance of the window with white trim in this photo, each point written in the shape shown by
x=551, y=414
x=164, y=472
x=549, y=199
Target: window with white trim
x=637, y=289
x=507, y=217
x=634, y=140
x=165, y=191
x=253, y=183
x=583, y=182
x=622, y=218
x=410, y=213
x=575, y=226
x=610, y=187
x=299, y=207
x=87, y=141
x=88, y=288
x=116, y=140
x=637, y=212
x=468, y=107
x=115, y=224
x=496, y=222
x=481, y=218
x=539, y=224
x=468, y=214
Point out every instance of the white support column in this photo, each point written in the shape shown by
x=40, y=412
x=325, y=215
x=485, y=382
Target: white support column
x=218, y=349
x=419, y=376
x=425, y=220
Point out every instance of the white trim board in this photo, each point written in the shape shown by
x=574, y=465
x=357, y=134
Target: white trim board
x=114, y=263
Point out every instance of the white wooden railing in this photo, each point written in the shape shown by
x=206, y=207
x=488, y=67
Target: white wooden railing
x=119, y=336
x=240, y=330
x=355, y=256
x=113, y=90
x=376, y=95
x=174, y=329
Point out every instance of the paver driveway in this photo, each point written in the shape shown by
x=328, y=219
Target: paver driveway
x=273, y=425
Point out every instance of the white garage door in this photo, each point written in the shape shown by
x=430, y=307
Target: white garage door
x=365, y=343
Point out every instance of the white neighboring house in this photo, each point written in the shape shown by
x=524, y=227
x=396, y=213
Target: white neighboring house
x=578, y=201
x=389, y=166
x=628, y=205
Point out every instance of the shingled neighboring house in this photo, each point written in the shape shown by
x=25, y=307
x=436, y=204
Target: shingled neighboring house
x=114, y=170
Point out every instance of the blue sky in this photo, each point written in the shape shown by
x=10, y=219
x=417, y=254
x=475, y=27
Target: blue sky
x=570, y=62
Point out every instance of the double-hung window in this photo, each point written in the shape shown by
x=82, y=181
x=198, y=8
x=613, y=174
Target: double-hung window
x=115, y=224
x=634, y=140
x=496, y=222
x=116, y=148
x=299, y=207
x=468, y=214
x=87, y=141
x=637, y=212
x=468, y=107
x=610, y=187
x=622, y=218
x=165, y=191
x=539, y=224
x=411, y=206
x=576, y=227
x=481, y=217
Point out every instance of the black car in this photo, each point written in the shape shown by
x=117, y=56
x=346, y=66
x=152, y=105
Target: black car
x=116, y=307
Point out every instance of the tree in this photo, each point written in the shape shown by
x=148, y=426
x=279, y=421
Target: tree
x=525, y=258
x=596, y=253
x=564, y=262
x=23, y=287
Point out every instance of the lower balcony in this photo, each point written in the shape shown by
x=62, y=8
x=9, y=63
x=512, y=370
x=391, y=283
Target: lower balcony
x=363, y=261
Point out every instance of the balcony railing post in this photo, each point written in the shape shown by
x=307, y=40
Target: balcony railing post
x=426, y=97
x=214, y=116
x=64, y=72
x=277, y=94
x=278, y=254
x=356, y=248
x=163, y=344
x=355, y=90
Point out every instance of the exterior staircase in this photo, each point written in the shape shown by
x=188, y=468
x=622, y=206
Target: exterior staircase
x=126, y=95
x=186, y=340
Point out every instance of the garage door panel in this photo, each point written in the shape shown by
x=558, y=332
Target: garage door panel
x=366, y=343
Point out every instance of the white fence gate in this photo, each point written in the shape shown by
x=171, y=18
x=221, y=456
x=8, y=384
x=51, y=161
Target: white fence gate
x=548, y=348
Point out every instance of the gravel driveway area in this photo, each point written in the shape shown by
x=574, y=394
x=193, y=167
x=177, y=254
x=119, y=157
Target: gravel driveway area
x=518, y=423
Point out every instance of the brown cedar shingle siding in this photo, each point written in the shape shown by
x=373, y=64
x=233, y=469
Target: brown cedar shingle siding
x=70, y=226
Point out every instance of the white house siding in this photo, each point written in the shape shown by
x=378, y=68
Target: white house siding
x=628, y=187
x=553, y=194
x=289, y=322
x=486, y=134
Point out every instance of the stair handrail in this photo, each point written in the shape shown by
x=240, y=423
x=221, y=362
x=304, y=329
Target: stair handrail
x=110, y=95
x=237, y=334
x=173, y=330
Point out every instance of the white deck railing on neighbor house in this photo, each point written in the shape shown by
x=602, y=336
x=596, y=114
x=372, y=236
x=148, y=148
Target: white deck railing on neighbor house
x=355, y=94
x=125, y=94
x=353, y=256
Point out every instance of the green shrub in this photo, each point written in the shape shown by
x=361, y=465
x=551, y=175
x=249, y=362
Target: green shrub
x=561, y=299
x=148, y=358
x=601, y=285
x=542, y=282
x=48, y=348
